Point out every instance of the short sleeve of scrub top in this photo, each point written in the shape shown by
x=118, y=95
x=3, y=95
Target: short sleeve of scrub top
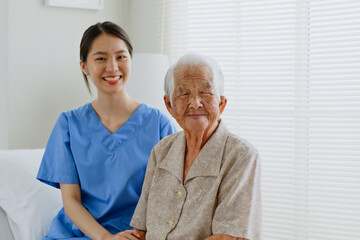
x=110, y=167
x=58, y=165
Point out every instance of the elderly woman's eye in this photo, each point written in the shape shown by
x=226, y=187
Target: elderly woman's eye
x=183, y=94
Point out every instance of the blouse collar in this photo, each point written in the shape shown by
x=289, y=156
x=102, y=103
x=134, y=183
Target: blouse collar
x=207, y=163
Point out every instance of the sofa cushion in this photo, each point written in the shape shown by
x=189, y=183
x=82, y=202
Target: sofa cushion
x=5, y=230
x=29, y=204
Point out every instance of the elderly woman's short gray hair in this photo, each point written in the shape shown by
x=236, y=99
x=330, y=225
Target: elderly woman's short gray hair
x=194, y=59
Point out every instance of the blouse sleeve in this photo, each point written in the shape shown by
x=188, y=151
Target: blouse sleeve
x=238, y=212
x=58, y=164
x=139, y=218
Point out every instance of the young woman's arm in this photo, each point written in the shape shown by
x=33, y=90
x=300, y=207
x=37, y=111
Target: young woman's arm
x=71, y=196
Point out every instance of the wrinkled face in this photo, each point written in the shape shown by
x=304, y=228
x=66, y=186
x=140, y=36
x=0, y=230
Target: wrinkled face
x=108, y=63
x=194, y=104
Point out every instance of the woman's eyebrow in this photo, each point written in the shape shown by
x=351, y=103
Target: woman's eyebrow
x=105, y=53
x=99, y=53
x=206, y=84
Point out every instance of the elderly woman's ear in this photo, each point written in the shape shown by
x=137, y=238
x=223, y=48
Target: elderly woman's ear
x=222, y=104
x=167, y=101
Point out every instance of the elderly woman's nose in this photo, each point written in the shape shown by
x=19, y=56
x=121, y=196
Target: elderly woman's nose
x=112, y=65
x=195, y=101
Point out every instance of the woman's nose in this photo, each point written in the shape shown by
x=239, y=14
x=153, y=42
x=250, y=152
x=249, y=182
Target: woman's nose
x=195, y=102
x=112, y=65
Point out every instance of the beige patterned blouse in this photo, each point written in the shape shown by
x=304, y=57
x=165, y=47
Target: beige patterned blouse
x=220, y=195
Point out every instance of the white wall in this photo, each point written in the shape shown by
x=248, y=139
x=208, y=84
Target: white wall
x=4, y=4
x=144, y=27
x=43, y=60
x=144, y=31
x=147, y=79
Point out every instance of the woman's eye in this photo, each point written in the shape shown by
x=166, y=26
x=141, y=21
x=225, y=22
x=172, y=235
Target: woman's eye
x=183, y=94
x=100, y=59
x=121, y=57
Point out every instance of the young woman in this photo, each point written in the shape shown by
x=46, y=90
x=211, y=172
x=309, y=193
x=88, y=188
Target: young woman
x=97, y=154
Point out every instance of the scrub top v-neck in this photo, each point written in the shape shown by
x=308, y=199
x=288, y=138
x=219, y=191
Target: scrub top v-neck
x=110, y=168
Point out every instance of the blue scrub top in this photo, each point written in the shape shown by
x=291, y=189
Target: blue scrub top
x=110, y=168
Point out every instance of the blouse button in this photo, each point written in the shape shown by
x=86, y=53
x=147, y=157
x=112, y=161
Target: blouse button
x=171, y=223
x=180, y=193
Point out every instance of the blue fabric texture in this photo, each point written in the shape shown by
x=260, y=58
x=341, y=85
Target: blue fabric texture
x=110, y=168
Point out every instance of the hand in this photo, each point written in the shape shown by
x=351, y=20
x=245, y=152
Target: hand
x=126, y=235
x=141, y=233
x=224, y=237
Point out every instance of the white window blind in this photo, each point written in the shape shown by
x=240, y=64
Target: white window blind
x=292, y=79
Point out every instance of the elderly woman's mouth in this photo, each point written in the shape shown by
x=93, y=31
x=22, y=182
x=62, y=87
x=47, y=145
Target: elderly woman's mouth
x=198, y=115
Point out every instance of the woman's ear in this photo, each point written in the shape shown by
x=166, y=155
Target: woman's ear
x=222, y=104
x=84, y=68
x=168, y=104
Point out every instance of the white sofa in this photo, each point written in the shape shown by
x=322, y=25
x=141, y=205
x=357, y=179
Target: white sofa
x=27, y=206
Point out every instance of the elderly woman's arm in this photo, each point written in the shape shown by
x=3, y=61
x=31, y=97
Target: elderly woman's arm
x=138, y=221
x=238, y=212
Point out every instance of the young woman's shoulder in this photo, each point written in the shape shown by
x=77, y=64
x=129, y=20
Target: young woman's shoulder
x=154, y=112
x=73, y=116
x=159, y=117
x=75, y=113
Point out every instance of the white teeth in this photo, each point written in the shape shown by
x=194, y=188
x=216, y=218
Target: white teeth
x=112, y=78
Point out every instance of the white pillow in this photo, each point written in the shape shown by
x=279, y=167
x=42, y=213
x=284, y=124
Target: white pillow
x=29, y=204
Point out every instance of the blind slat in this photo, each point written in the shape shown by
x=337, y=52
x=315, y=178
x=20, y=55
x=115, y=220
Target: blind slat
x=292, y=80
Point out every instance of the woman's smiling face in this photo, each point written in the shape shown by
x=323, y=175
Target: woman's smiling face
x=195, y=104
x=108, y=63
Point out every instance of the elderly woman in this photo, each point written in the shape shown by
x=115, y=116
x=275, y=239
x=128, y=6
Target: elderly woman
x=203, y=182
